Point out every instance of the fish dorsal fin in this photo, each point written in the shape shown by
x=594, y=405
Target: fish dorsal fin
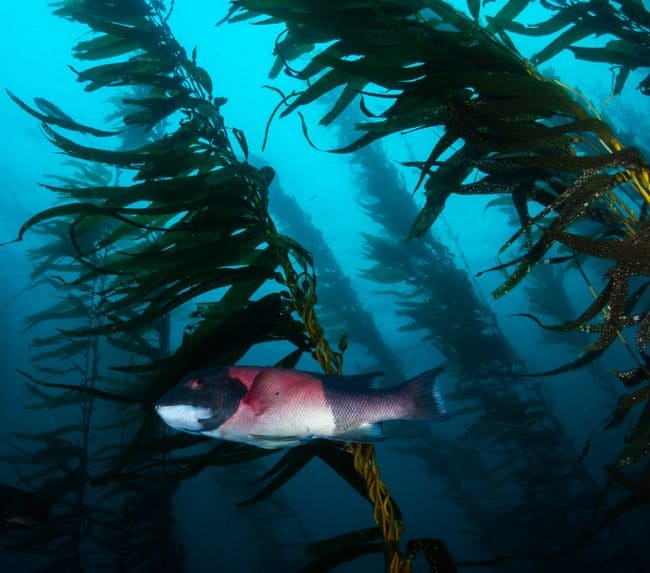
x=263, y=393
x=353, y=382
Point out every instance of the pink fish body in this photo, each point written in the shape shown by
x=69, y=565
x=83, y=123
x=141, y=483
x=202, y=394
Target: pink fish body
x=274, y=408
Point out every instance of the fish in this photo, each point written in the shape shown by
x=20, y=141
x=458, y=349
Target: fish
x=21, y=509
x=52, y=110
x=281, y=408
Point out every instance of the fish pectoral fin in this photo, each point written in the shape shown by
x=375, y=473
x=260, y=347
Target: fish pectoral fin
x=371, y=432
x=275, y=442
x=263, y=393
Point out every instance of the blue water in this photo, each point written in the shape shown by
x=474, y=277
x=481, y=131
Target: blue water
x=217, y=535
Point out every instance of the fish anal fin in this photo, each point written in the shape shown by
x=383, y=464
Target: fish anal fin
x=275, y=442
x=263, y=393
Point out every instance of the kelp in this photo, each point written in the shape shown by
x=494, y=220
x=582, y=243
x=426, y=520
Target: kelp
x=60, y=458
x=99, y=249
x=55, y=116
x=268, y=547
x=550, y=149
x=513, y=131
x=295, y=459
x=502, y=412
x=534, y=139
x=192, y=221
x=627, y=21
x=326, y=554
x=190, y=170
x=440, y=299
x=85, y=519
x=340, y=310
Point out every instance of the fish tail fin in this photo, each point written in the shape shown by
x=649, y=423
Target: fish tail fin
x=427, y=399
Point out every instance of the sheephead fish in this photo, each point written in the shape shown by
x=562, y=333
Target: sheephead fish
x=279, y=408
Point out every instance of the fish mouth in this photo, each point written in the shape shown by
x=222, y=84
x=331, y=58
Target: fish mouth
x=182, y=416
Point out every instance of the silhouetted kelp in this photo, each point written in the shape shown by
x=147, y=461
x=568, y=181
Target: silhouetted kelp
x=437, y=296
x=59, y=459
x=340, y=309
x=512, y=441
x=206, y=226
x=87, y=528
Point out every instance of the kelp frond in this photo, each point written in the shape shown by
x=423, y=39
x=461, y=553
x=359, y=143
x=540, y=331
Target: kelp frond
x=627, y=21
x=192, y=220
x=509, y=128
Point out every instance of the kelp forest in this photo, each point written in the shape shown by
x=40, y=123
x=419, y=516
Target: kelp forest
x=174, y=243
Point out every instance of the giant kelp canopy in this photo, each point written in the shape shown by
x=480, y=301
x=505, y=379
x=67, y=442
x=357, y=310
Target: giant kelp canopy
x=438, y=68
x=190, y=218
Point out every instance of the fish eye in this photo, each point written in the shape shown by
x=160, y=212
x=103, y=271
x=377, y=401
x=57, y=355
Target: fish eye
x=196, y=383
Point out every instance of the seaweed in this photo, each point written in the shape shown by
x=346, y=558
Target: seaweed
x=437, y=297
x=83, y=515
x=550, y=149
x=192, y=221
x=627, y=21
x=339, y=307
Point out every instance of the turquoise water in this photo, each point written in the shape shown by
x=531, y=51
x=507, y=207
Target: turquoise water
x=451, y=481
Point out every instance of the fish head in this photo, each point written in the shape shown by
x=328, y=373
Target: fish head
x=201, y=401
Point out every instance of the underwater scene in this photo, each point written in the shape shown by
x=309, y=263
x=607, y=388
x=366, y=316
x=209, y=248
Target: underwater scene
x=325, y=285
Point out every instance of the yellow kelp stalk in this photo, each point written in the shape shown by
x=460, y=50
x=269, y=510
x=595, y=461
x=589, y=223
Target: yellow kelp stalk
x=303, y=293
x=384, y=514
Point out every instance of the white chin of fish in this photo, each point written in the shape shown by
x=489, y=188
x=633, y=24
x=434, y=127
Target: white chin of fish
x=182, y=417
